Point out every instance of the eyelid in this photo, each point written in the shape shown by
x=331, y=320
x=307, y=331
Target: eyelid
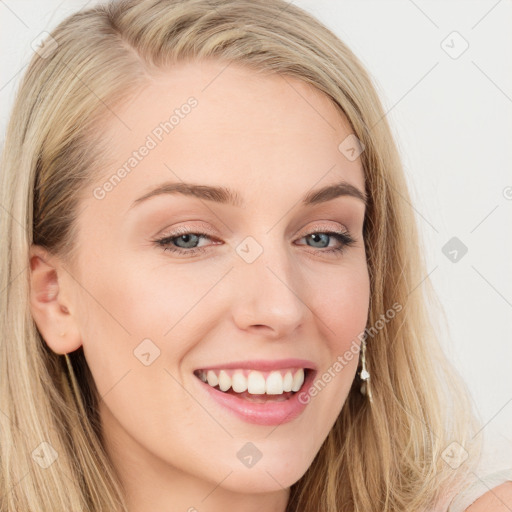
x=177, y=231
x=203, y=228
x=324, y=227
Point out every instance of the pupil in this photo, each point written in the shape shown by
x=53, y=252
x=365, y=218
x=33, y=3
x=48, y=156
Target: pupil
x=187, y=239
x=316, y=236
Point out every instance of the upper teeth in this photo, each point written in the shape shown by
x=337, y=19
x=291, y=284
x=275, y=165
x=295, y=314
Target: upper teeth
x=255, y=382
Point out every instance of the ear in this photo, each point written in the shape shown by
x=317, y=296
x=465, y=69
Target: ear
x=49, y=304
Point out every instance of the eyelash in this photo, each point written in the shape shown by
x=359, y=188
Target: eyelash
x=344, y=238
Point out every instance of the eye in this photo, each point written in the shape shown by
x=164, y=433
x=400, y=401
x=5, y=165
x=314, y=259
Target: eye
x=185, y=241
x=322, y=238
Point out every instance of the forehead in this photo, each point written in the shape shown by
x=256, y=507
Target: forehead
x=217, y=124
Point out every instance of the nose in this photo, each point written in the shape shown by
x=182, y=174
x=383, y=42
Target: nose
x=270, y=297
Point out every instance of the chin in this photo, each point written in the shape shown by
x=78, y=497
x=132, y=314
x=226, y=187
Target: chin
x=270, y=475
x=258, y=481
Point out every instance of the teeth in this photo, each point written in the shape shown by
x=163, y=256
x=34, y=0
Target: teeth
x=224, y=381
x=288, y=381
x=239, y=382
x=213, y=380
x=274, y=385
x=255, y=383
x=298, y=380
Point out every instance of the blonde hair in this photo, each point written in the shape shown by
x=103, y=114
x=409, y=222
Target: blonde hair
x=378, y=457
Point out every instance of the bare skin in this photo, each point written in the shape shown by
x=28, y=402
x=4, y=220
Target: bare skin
x=499, y=499
x=174, y=448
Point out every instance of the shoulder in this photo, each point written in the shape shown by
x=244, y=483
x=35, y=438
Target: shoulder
x=498, y=499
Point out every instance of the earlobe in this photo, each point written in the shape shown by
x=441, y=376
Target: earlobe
x=48, y=302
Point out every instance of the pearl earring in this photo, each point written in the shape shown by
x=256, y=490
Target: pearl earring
x=364, y=375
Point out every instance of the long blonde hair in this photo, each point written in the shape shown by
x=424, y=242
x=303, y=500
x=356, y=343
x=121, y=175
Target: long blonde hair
x=379, y=457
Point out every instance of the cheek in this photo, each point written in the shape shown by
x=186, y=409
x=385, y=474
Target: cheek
x=341, y=299
x=136, y=368
x=129, y=300
x=131, y=314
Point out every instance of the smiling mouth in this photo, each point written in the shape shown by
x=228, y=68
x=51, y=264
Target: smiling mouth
x=255, y=386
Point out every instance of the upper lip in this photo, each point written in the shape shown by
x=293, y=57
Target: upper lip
x=264, y=364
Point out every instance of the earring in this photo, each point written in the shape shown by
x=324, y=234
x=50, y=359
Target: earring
x=364, y=375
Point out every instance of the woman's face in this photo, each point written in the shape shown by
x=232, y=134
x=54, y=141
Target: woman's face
x=249, y=287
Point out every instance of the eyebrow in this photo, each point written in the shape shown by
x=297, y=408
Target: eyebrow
x=228, y=196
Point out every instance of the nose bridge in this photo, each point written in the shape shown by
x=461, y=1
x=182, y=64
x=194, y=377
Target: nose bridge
x=269, y=286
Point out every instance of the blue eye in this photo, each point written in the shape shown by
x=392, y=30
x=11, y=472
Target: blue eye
x=185, y=242
x=344, y=239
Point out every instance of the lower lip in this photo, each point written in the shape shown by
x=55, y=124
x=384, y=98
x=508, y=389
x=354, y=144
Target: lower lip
x=267, y=413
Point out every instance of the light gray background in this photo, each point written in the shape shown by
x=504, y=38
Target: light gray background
x=452, y=118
